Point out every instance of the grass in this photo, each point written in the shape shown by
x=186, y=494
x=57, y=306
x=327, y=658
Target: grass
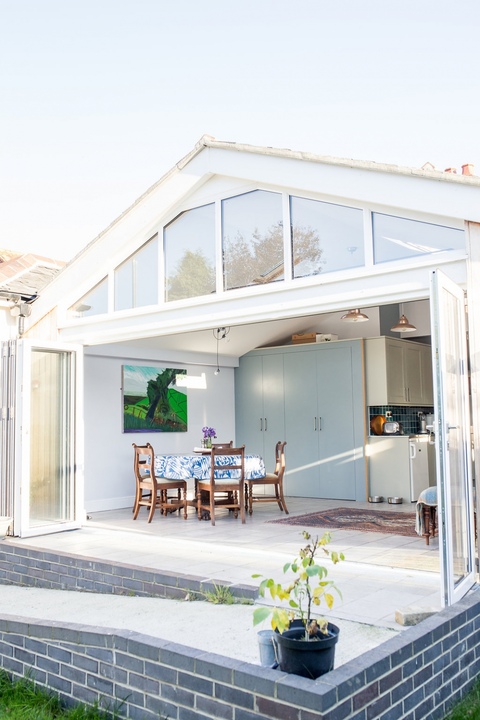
x=23, y=700
x=469, y=707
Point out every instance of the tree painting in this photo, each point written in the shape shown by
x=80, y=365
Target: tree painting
x=151, y=400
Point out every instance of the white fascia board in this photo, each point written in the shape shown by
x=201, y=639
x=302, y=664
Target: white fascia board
x=180, y=358
x=362, y=183
x=274, y=302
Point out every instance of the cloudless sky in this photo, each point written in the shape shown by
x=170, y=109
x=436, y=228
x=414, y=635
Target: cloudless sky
x=99, y=98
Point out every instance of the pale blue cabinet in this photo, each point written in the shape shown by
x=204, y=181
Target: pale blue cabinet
x=316, y=395
x=259, y=404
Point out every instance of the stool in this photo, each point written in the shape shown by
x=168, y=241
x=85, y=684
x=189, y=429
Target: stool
x=430, y=522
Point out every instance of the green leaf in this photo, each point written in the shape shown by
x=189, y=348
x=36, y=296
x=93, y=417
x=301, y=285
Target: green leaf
x=260, y=614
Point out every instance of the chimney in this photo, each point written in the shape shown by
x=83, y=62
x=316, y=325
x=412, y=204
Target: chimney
x=451, y=170
x=467, y=169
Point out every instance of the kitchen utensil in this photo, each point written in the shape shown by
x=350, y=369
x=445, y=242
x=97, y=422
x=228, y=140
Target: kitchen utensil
x=377, y=423
x=392, y=427
x=422, y=422
x=375, y=499
x=395, y=500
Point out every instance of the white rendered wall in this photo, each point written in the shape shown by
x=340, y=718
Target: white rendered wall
x=109, y=481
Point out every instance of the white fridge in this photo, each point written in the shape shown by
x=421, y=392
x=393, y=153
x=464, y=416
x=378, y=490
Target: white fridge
x=422, y=464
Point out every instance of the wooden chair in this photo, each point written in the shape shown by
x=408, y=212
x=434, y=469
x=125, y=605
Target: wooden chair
x=223, y=445
x=275, y=479
x=152, y=492
x=230, y=489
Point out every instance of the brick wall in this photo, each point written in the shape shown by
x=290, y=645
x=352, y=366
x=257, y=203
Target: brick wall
x=414, y=676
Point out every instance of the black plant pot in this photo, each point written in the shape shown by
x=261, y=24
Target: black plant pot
x=308, y=658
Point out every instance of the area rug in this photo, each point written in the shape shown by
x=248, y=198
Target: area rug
x=383, y=521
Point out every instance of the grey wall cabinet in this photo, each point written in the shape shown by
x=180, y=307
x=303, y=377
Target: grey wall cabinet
x=317, y=392
x=398, y=372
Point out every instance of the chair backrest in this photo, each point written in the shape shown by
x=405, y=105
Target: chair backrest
x=223, y=445
x=227, y=463
x=143, y=462
x=280, y=458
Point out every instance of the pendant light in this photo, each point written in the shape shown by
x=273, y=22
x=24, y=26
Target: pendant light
x=354, y=316
x=220, y=334
x=403, y=325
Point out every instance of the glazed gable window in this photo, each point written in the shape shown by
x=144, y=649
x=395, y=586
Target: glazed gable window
x=136, y=280
x=395, y=238
x=95, y=302
x=189, y=243
x=252, y=239
x=325, y=237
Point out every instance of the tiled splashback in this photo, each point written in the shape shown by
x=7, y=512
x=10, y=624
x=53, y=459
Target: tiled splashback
x=408, y=416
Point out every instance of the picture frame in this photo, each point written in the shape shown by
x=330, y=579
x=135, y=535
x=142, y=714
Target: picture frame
x=152, y=400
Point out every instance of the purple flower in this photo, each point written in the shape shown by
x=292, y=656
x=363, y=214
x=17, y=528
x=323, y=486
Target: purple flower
x=209, y=432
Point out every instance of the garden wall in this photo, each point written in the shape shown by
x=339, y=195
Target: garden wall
x=414, y=676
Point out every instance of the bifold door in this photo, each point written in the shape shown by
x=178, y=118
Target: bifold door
x=452, y=438
x=48, y=476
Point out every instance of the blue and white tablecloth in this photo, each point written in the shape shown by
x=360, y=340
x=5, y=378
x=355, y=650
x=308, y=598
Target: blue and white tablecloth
x=185, y=467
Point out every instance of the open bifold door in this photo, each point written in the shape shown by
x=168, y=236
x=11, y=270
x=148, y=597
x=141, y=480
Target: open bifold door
x=44, y=436
x=452, y=438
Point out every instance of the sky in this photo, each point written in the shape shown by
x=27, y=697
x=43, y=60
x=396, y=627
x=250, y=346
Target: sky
x=100, y=98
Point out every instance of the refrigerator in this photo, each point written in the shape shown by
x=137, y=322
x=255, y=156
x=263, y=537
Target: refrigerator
x=422, y=464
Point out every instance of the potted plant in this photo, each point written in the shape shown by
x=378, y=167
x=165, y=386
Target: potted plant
x=304, y=645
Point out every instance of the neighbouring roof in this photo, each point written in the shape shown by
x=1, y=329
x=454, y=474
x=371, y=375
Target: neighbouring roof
x=25, y=275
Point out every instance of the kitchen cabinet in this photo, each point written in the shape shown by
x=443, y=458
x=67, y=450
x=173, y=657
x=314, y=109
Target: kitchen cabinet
x=315, y=396
x=259, y=404
x=398, y=372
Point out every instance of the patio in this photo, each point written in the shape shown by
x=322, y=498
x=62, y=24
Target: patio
x=382, y=573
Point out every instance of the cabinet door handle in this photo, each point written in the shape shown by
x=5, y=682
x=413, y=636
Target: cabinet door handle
x=320, y=423
x=315, y=424
x=261, y=424
x=265, y=424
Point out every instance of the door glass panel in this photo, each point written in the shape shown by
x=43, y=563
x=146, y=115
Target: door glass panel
x=325, y=237
x=51, y=482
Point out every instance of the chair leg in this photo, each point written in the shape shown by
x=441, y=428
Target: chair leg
x=241, y=498
x=184, y=503
x=282, y=503
x=153, y=502
x=212, y=508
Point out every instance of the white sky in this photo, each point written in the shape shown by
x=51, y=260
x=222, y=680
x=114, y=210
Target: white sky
x=99, y=98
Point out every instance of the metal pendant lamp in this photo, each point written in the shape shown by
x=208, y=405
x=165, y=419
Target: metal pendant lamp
x=354, y=316
x=403, y=325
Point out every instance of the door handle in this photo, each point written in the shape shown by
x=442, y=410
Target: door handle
x=315, y=424
x=265, y=425
x=261, y=424
x=320, y=423
x=452, y=427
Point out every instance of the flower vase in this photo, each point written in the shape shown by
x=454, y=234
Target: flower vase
x=208, y=442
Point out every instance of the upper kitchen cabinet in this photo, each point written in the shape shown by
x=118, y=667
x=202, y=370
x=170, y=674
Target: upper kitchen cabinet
x=312, y=396
x=398, y=372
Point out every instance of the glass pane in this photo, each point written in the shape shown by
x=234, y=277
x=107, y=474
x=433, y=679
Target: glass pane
x=252, y=239
x=395, y=238
x=146, y=274
x=136, y=280
x=93, y=303
x=454, y=413
x=51, y=463
x=325, y=237
x=124, y=286
x=190, y=254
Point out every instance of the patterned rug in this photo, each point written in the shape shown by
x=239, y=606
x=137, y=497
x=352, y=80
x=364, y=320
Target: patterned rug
x=383, y=521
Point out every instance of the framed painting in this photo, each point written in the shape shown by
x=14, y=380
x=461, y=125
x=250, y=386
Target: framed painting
x=152, y=401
